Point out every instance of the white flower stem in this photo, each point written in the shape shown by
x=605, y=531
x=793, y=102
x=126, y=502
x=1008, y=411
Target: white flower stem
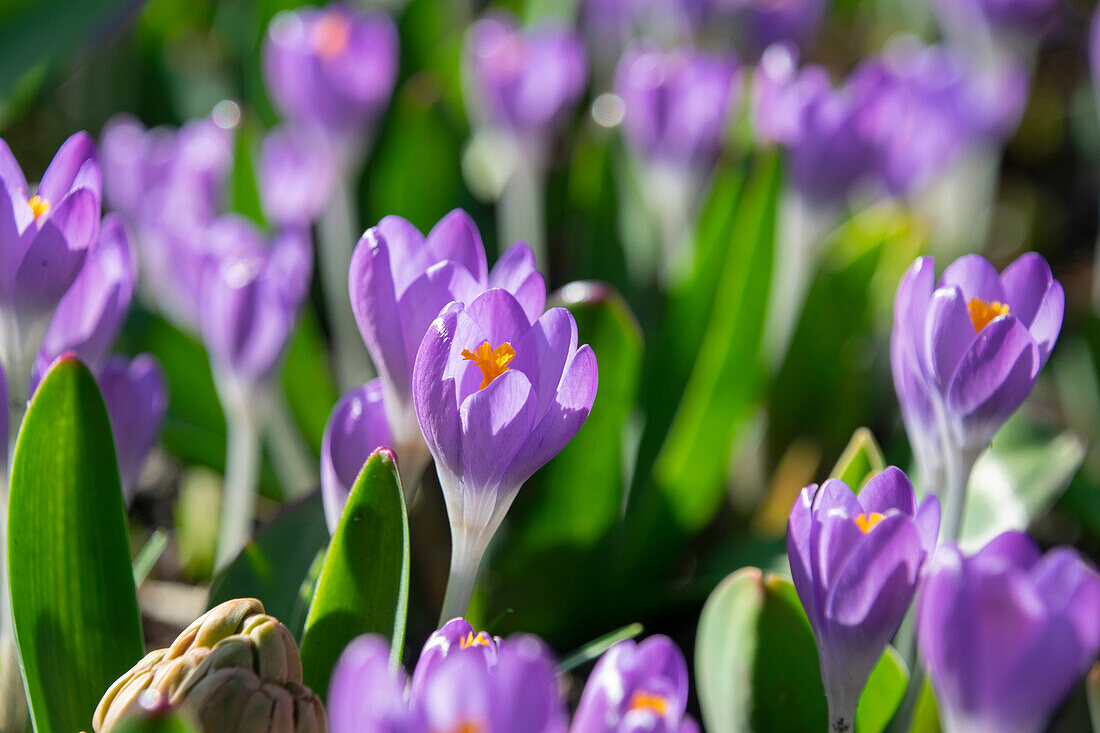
x=337, y=237
x=242, y=473
x=466, y=554
x=290, y=456
x=13, y=701
x=521, y=208
x=842, y=718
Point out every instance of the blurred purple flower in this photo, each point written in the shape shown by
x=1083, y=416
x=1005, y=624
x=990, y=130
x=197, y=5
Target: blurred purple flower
x=524, y=80
x=356, y=428
x=250, y=296
x=497, y=395
x=855, y=562
x=609, y=25
x=332, y=67
x=44, y=239
x=1007, y=633
x=760, y=23
x=1025, y=17
x=453, y=638
x=467, y=689
x=636, y=687
x=399, y=282
x=677, y=104
x=296, y=174
x=136, y=395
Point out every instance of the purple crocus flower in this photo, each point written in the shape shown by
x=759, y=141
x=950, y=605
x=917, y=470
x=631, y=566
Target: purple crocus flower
x=636, y=687
x=1021, y=17
x=514, y=688
x=677, y=104
x=965, y=354
x=251, y=293
x=454, y=637
x=855, y=562
x=136, y=394
x=296, y=174
x=332, y=67
x=356, y=428
x=760, y=23
x=1007, y=633
x=524, y=81
x=44, y=238
x=399, y=282
x=497, y=394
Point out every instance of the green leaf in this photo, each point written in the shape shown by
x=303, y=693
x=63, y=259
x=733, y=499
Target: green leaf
x=149, y=554
x=274, y=566
x=861, y=460
x=756, y=662
x=926, y=716
x=597, y=647
x=727, y=370
x=883, y=693
x=364, y=583
x=72, y=586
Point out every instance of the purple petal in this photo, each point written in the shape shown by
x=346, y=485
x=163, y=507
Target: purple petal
x=136, y=394
x=455, y=237
x=927, y=520
x=458, y=695
x=57, y=252
x=11, y=174
x=1026, y=282
x=13, y=243
x=525, y=688
x=1012, y=548
x=949, y=334
x=365, y=695
x=832, y=539
x=374, y=301
x=74, y=166
x=888, y=490
x=976, y=277
x=355, y=429
x=876, y=584
x=496, y=421
x=426, y=296
x=444, y=642
x=434, y=395
x=409, y=253
x=835, y=494
x=543, y=353
x=1071, y=590
x=994, y=378
x=296, y=175
x=517, y=273
x=500, y=316
x=798, y=551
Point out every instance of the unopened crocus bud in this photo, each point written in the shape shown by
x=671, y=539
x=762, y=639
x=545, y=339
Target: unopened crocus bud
x=333, y=67
x=136, y=395
x=296, y=174
x=855, y=562
x=44, y=238
x=523, y=80
x=356, y=428
x=399, y=282
x=636, y=687
x=235, y=668
x=1007, y=633
x=497, y=395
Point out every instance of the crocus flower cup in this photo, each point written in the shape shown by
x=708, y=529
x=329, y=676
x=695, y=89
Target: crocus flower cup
x=855, y=562
x=1005, y=634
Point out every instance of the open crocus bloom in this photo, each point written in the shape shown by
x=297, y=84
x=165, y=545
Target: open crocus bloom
x=474, y=685
x=636, y=687
x=399, y=282
x=1006, y=633
x=855, y=562
x=965, y=352
x=497, y=395
x=44, y=238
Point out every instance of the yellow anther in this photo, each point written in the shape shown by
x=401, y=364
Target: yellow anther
x=492, y=362
x=867, y=522
x=983, y=311
x=39, y=206
x=642, y=700
x=471, y=640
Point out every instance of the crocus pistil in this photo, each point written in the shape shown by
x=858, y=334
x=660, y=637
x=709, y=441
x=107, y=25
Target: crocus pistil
x=491, y=361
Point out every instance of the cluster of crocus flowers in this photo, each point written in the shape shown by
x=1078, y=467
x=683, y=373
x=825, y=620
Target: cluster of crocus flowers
x=399, y=281
x=470, y=681
x=1007, y=633
x=856, y=562
x=965, y=353
x=497, y=394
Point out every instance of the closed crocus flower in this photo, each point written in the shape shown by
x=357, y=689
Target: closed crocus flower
x=399, y=282
x=331, y=67
x=855, y=562
x=497, y=395
x=356, y=428
x=636, y=687
x=676, y=104
x=136, y=394
x=965, y=354
x=44, y=238
x=296, y=173
x=1007, y=633
x=366, y=694
x=453, y=638
x=524, y=80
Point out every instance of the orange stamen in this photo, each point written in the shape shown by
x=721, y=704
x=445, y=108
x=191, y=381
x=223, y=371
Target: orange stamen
x=642, y=700
x=470, y=640
x=983, y=312
x=492, y=362
x=39, y=206
x=867, y=522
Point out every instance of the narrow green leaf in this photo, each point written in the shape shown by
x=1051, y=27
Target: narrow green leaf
x=147, y=557
x=364, y=583
x=756, y=662
x=274, y=565
x=926, y=717
x=884, y=692
x=596, y=647
x=861, y=460
x=72, y=585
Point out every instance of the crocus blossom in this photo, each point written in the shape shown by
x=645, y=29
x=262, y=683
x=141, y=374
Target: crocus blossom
x=636, y=687
x=760, y=23
x=356, y=428
x=331, y=67
x=1005, y=634
x=399, y=282
x=497, y=395
x=44, y=238
x=296, y=174
x=965, y=353
x=468, y=683
x=521, y=80
x=136, y=394
x=855, y=562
